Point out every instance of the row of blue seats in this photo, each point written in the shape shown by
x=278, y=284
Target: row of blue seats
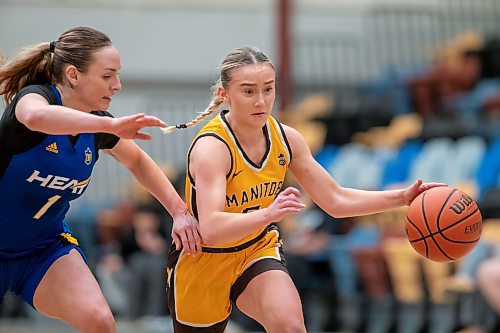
x=468, y=159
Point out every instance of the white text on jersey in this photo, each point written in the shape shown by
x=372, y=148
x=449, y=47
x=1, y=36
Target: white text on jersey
x=59, y=182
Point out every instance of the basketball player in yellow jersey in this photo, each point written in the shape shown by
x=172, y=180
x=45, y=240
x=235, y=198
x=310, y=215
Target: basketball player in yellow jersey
x=236, y=167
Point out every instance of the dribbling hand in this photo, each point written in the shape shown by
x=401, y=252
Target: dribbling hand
x=416, y=188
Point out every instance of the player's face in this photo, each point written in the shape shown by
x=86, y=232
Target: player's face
x=101, y=81
x=251, y=93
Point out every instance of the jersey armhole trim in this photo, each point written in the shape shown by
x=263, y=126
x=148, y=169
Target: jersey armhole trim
x=217, y=136
x=284, y=139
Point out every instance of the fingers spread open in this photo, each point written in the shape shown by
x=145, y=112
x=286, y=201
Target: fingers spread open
x=142, y=136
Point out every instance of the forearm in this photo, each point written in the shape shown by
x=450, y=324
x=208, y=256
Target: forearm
x=224, y=227
x=353, y=202
x=54, y=119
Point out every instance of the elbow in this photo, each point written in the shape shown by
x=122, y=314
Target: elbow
x=208, y=235
x=208, y=238
x=31, y=119
x=339, y=215
x=335, y=213
x=336, y=207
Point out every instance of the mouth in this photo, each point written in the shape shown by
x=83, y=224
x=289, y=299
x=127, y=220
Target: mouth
x=107, y=98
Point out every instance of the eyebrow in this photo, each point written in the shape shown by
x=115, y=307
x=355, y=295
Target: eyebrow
x=254, y=84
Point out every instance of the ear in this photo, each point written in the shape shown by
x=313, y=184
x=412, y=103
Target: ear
x=71, y=73
x=222, y=94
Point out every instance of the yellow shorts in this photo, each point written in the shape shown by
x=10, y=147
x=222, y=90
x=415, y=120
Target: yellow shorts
x=200, y=288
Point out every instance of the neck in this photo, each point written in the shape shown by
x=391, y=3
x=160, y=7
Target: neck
x=247, y=135
x=70, y=98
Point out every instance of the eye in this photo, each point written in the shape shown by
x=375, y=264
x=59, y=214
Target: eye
x=269, y=89
x=107, y=77
x=248, y=91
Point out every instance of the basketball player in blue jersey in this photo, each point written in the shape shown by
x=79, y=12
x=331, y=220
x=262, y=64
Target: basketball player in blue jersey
x=50, y=139
x=235, y=173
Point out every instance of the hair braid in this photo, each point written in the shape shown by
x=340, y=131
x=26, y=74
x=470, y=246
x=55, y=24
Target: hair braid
x=214, y=105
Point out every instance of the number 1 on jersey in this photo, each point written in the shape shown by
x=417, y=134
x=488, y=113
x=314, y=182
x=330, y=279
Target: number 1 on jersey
x=50, y=202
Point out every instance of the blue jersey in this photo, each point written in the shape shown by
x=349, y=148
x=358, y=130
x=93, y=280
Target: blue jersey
x=37, y=185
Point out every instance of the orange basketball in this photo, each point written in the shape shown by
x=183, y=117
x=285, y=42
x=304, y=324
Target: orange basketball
x=443, y=224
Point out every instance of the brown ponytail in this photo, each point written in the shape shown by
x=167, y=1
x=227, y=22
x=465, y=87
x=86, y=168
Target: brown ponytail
x=31, y=66
x=45, y=63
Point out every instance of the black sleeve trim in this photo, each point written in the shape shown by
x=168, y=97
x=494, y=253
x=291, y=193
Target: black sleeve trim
x=282, y=130
x=217, y=137
x=15, y=138
x=104, y=140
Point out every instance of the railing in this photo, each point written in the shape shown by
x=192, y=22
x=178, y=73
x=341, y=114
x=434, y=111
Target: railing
x=391, y=35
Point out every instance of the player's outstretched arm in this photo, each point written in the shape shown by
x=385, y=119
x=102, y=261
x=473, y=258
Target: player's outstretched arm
x=35, y=113
x=341, y=201
x=185, y=229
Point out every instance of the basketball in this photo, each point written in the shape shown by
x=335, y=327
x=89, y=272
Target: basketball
x=443, y=224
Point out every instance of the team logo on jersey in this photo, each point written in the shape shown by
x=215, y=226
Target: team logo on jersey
x=88, y=156
x=58, y=182
x=281, y=159
x=52, y=148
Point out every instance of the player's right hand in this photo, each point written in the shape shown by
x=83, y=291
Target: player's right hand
x=128, y=127
x=288, y=201
x=186, y=233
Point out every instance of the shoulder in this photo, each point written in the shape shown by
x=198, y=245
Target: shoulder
x=14, y=136
x=212, y=134
x=284, y=129
x=296, y=141
x=210, y=153
x=291, y=133
x=9, y=116
x=210, y=148
x=44, y=91
x=207, y=143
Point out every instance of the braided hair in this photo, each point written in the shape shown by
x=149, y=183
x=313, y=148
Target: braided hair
x=246, y=55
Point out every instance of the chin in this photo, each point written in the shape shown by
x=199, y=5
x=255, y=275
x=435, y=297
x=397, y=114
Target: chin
x=104, y=106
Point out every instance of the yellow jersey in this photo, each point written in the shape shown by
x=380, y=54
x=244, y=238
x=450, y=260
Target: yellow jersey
x=249, y=186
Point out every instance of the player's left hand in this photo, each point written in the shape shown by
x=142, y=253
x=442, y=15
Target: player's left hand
x=186, y=234
x=412, y=191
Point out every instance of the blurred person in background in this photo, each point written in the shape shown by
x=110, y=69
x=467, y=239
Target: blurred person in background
x=110, y=270
x=51, y=131
x=488, y=273
x=236, y=168
x=144, y=250
x=455, y=70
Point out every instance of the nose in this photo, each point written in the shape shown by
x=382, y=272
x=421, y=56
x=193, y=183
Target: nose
x=117, y=85
x=259, y=102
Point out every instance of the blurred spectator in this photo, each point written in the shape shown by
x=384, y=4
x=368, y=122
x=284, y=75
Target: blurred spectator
x=456, y=69
x=144, y=250
x=307, y=239
x=110, y=270
x=489, y=281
